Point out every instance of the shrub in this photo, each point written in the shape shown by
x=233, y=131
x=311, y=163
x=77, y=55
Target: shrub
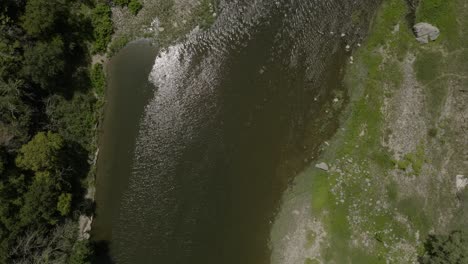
x=98, y=79
x=81, y=253
x=135, y=6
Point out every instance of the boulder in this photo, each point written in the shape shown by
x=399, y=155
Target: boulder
x=426, y=32
x=322, y=166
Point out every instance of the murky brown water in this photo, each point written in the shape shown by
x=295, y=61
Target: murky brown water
x=236, y=112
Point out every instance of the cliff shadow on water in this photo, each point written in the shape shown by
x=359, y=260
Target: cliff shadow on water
x=238, y=110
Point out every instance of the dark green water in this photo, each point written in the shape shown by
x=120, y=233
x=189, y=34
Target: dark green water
x=192, y=170
x=128, y=92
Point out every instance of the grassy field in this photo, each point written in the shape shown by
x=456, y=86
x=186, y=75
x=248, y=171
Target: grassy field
x=379, y=204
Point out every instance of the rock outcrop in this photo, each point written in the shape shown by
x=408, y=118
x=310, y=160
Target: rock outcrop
x=426, y=32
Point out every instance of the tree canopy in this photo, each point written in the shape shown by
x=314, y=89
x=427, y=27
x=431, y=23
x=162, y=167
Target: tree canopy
x=41, y=153
x=40, y=16
x=44, y=62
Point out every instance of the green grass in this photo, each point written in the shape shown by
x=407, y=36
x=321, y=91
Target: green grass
x=311, y=261
x=428, y=65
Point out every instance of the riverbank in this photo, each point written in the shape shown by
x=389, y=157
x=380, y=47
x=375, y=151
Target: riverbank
x=392, y=167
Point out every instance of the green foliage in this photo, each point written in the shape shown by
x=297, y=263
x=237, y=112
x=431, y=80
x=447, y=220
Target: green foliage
x=81, y=254
x=446, y=249
x=135, y=6
x=44, y=62
x=73, y=119
x=43, y=66
x=117, y=44
x=40, y=201
x=103, y=27
x=64, y=203
x=40, y=16
x=41, y=153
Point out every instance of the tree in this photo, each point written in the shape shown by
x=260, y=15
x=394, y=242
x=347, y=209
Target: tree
x=103, y=27
x=41, y=153
x=446, y=249
x=74, y=119
x=40, y=16
x=44, y=62
x=40, y=202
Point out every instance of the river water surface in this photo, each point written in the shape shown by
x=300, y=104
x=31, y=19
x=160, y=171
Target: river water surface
x=201, y=141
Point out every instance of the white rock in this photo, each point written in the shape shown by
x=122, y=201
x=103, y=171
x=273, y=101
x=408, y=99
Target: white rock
x=461, y=182
x=426, y=32
x=322, y=166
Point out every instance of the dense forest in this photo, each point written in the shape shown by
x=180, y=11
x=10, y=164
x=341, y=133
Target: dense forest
x=50, y=99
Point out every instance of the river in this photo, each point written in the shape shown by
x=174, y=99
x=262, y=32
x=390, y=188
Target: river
x=201, y=141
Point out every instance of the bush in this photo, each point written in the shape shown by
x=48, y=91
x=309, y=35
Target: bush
x=98, y=79
x=118, y=43
x=122, y=2
x=81, y=253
